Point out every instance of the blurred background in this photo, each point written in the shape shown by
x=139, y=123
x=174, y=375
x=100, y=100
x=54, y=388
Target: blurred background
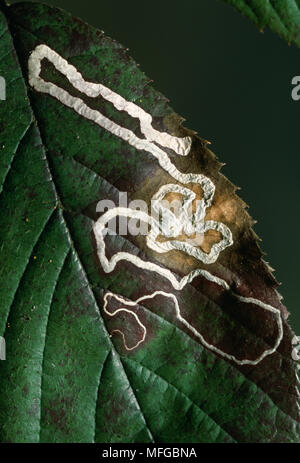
x=232, y=83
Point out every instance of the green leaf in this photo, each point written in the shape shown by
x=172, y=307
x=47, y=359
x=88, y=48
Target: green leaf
x=281, y=16
x=68, y=376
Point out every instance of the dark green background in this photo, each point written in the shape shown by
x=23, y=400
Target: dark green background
x=233, y=85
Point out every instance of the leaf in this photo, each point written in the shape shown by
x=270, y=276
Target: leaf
x=136, y=353
x=281, y=16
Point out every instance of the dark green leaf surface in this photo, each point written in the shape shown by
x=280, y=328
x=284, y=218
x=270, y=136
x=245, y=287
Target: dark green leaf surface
x=65, y=378
x=281, y=16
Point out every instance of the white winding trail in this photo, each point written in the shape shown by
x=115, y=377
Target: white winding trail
x=112, y=314
x=109, y=266
x=192, y=329
x=149, y=144
x=99, y=229
x=190, y=223
x=181, y=146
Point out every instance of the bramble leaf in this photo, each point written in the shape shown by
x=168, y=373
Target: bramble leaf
x=281, y=16
x=179, y=340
